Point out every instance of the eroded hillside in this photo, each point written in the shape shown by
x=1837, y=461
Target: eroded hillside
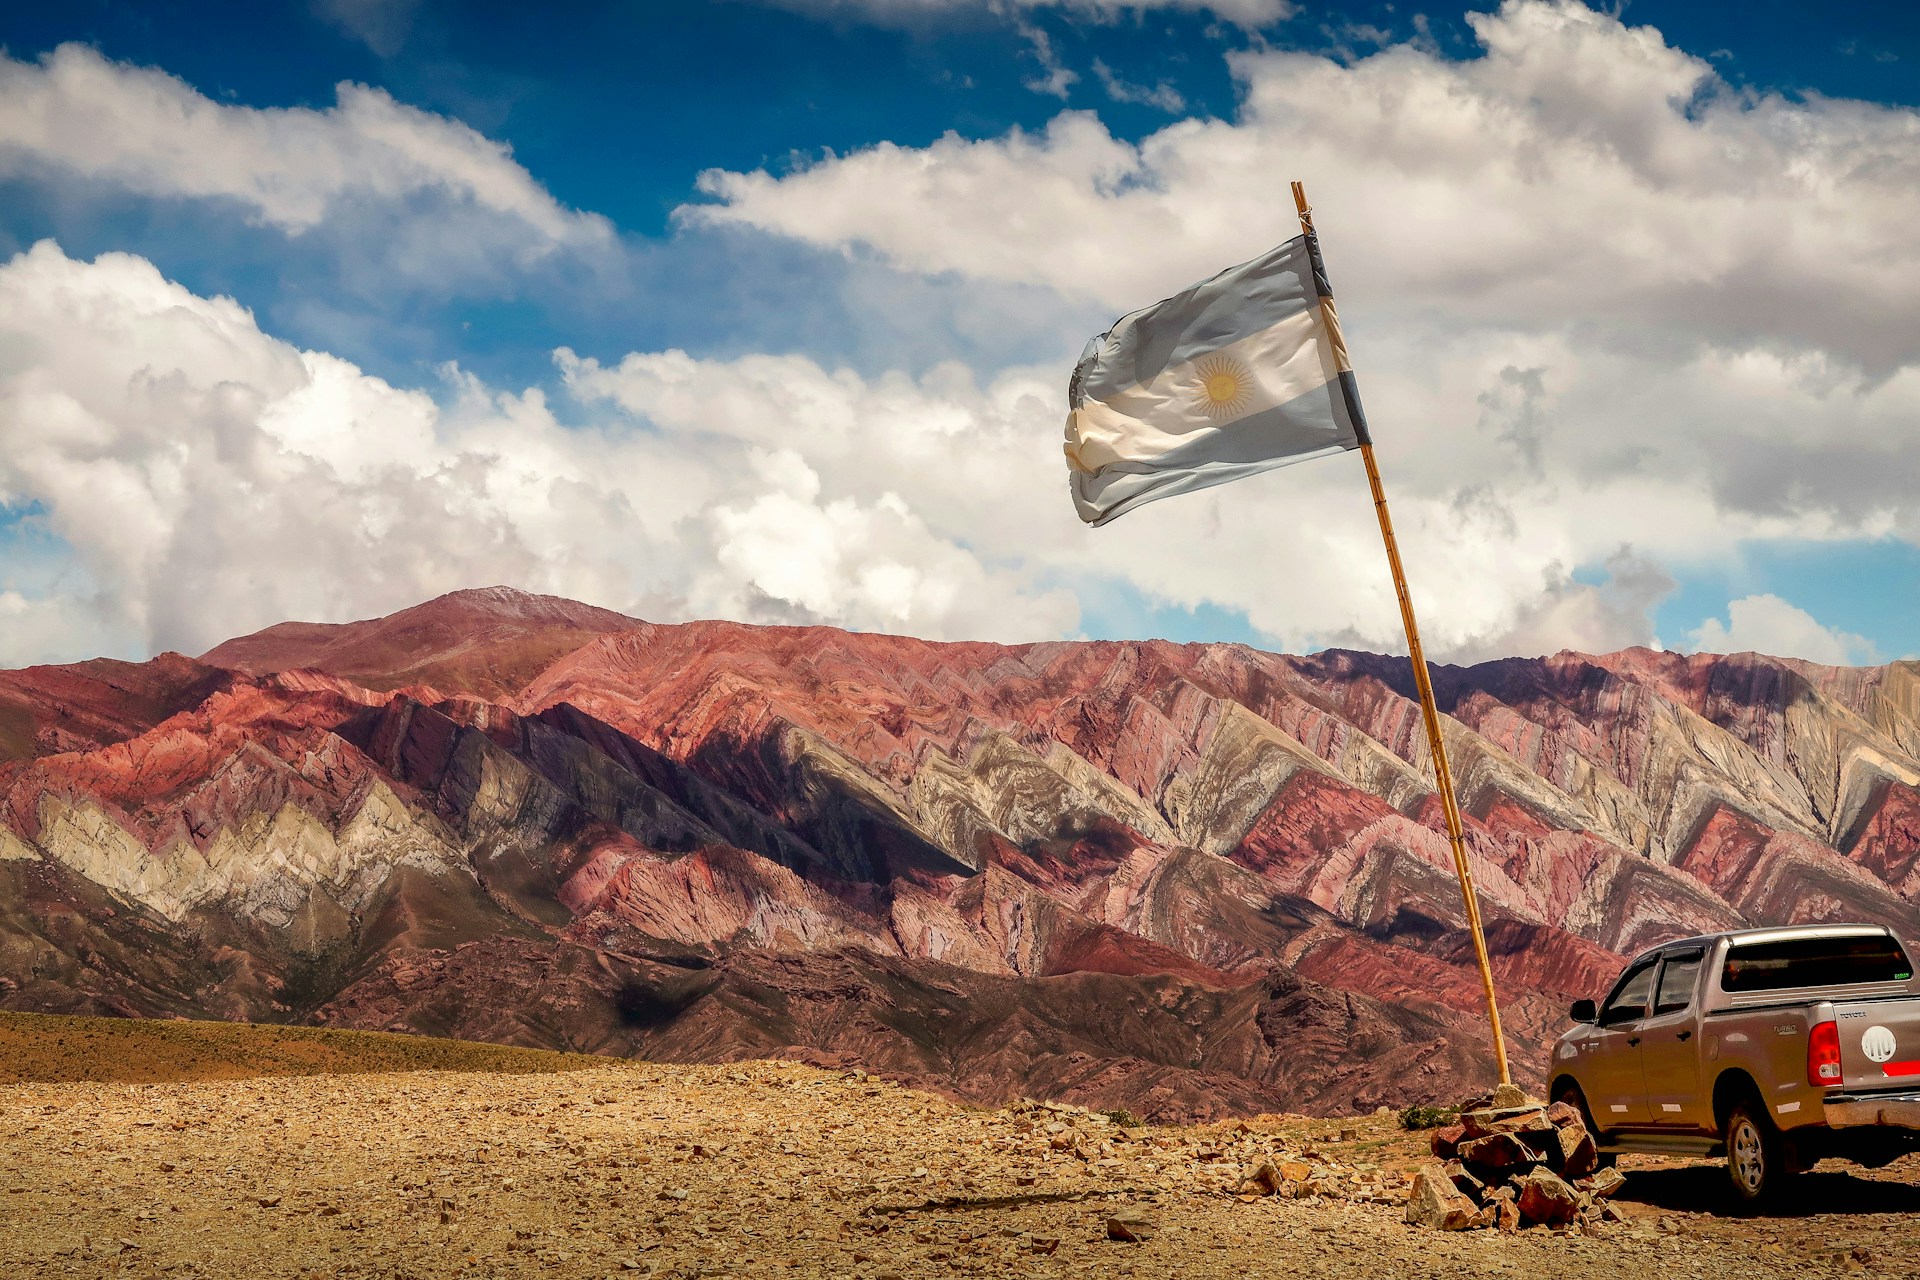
x=1191, y=880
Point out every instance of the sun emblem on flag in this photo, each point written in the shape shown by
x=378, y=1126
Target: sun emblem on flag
x=1226, y=386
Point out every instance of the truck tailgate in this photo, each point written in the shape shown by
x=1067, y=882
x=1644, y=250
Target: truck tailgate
x=1879, y=1043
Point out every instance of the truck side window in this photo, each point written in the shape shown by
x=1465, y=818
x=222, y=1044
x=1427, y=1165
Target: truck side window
x=1678, y=977
x=1632, y=995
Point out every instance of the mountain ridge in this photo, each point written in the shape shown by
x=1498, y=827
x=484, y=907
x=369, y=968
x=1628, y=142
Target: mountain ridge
x=514, y=818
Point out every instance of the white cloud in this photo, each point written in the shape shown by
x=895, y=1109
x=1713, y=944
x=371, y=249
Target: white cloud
x=1607, y=312
x=1055, y=79
x=1580, y=171
x=211, y=479
x=382, y=25
x=1163, y=95
x=1596, y=297
x=150, y=133
x=1251, y=14
x=1768, y=624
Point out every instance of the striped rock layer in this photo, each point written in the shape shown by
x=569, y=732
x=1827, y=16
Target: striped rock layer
x=1189, y=880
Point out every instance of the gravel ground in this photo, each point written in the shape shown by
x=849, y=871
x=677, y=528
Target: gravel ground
x=773, y=1169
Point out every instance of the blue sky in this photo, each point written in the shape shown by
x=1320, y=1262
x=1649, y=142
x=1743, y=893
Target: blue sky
x=814, y=290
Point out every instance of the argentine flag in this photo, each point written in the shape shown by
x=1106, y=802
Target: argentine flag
x=1239, y=374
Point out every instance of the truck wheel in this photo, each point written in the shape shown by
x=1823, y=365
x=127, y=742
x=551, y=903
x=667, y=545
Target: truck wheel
x=1570, y=1094
x=1755, y=1161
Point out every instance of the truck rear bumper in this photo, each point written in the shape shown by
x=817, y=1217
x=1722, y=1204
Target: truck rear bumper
x=1901, y=1110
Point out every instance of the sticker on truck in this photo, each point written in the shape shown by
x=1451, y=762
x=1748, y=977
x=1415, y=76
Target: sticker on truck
x=1878, y=1044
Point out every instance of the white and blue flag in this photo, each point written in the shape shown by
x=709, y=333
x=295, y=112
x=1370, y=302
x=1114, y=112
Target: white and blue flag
x=1237, y=375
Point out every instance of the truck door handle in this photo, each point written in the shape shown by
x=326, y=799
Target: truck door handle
x=1633, y=1040
x=1684, y=1035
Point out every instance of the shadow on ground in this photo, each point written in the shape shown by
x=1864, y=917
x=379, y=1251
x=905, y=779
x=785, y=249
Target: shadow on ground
x=1703, y=1188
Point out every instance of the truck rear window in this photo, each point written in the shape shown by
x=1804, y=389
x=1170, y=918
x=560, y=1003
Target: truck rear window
x=1814, y=962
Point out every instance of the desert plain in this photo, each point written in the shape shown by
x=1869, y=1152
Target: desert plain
x=150, y=1149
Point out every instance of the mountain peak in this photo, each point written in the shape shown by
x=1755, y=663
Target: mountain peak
x=485, y=640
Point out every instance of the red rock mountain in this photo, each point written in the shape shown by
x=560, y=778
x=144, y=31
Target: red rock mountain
x=1185, y=879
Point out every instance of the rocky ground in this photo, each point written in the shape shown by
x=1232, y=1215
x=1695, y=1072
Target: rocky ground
x=775, y=1169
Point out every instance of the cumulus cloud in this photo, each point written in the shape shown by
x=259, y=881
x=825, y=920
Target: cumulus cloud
x=1596, y=297
x=1250, y=14
x=1579, y=170
x=211, y=479
x=1768, y=624
x=75, y=112
x=1609, y=315
x=1297, y=551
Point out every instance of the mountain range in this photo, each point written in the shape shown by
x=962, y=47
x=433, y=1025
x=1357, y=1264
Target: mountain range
x=1190, y=880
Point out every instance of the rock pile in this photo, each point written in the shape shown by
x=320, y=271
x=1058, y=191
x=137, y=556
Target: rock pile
x=1510, y=1166
x=1246, y=1160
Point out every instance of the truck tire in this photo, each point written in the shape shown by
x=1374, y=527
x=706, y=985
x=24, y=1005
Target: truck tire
x=1570, y=1093
x=1756, y=1162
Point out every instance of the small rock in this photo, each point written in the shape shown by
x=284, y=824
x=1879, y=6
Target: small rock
x=1131, y=1225
x=1602, y=1183
x=1264, y=1180
x=1509, y=1095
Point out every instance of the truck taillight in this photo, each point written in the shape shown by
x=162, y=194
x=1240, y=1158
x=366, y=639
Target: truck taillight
x=1823, y=1055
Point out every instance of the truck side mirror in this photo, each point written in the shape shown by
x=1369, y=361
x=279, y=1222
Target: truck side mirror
x=1584, y=1011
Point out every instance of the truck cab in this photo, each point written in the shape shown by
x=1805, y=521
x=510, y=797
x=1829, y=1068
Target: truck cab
x=1773, y=1047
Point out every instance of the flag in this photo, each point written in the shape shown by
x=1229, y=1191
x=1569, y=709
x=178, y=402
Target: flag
x=1239, y=374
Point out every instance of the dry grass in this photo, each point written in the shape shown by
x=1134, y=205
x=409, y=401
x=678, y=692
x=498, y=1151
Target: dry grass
x=51, y=1048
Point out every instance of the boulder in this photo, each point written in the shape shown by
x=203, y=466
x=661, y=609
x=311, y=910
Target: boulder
x=1445, y=1141
x=1506, y=1209
x=1561, y=1115
x=1544, y=1197
x=1578, y=1156
x=1463, y=1179
x=1437, y=1204
x=1491, y=1120
x=1510, y=1095
x=1500, y=1151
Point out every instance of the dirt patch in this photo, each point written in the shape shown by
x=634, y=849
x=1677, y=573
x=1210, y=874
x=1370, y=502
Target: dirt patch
x=775, y=1169
x=49, y=1048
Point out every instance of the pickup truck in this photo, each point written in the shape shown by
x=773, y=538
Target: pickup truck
x=1774, y=1048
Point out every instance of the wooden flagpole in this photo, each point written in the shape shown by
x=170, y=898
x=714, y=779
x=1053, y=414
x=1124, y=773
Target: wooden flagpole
x=1442, y=775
